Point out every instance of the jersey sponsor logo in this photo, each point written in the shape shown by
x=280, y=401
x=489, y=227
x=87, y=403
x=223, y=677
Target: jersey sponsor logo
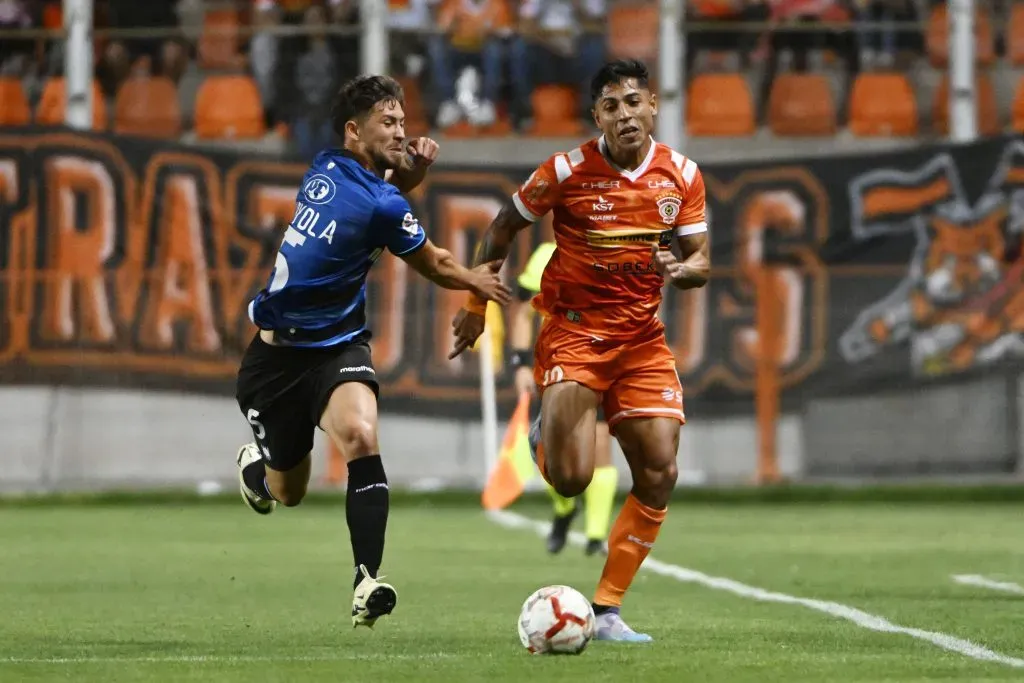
x=410, y=224
x=603, y=204
x=668, y=207
x=357, y=368
x=535, y=189
x=612, y=238
x=319, y=189
x=660, y=184
x=602, y=185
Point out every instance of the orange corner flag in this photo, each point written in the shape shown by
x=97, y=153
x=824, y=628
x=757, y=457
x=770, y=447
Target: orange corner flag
x=515, y=465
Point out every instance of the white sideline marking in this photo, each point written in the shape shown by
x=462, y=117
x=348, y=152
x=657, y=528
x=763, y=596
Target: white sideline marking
x=860, y=618
x=978, y=580
x=221, y=659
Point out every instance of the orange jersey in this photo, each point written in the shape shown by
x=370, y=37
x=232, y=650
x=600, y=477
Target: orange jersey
x=601, y=276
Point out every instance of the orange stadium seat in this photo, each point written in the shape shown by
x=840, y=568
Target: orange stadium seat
x=555, y=112
x=720, y=104
x=801, y=104
x=1018, y=107
x=988, y=110
x=147, y=107
x=883, y=104
x=50, y=111
x=14, y=110
x=218, y=43
x=937, y=37
x=633, y=31
x=229, y=107
x=1015, y=34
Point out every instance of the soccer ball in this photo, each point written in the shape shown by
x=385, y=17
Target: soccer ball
x=556, y=620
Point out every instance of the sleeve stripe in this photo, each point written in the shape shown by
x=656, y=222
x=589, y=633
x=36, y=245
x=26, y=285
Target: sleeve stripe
x=423, y=240
x=523, y=211
x=692, y=229
x=562, y=169
x=689, y=171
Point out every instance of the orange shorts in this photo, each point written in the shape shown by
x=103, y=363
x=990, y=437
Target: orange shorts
x=637, y=378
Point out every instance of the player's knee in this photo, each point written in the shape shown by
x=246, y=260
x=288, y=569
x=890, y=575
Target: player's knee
x=569, y=479
x=654, y=485
x=356, y=437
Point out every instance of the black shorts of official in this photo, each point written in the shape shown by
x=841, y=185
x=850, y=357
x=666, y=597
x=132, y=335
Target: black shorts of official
x=283, y=391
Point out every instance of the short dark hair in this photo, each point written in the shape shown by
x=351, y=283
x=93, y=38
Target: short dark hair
x=616, y=72
x=359, y=96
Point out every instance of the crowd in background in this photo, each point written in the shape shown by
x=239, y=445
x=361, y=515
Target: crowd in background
x=475, y=61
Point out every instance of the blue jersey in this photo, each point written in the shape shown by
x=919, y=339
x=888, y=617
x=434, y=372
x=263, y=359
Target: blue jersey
x=345, y=217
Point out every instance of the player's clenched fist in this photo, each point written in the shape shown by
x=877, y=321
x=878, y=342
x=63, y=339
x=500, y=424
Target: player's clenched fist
x=666, y=262
x=422, y=151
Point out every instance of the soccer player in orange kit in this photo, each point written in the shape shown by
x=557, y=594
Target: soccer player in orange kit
x=618, y=202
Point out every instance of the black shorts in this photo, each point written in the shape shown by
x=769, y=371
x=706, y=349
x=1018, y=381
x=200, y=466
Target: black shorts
x=283, y=391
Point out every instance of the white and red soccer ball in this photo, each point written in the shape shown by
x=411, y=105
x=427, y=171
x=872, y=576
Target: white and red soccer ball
x=556, y=620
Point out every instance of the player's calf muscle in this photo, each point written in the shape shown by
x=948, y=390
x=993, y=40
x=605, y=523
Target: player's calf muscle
x=289, y=487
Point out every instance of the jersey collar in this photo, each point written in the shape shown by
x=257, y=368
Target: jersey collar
x=629, y=175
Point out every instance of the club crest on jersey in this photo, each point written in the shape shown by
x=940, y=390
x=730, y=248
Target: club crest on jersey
x=535, y=191
x=319, y=189
x=668, y=207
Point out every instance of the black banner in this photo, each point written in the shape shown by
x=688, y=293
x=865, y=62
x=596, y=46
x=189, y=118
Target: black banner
x=130, y=263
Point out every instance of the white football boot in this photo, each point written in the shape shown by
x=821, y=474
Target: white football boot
x=371, y=599
x=247, y=455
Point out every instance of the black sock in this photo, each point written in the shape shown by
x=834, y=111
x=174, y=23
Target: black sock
x=601, y=609
x=255, y=477
x=366, y=510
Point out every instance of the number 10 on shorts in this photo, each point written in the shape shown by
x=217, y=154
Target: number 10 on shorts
x=553, y=375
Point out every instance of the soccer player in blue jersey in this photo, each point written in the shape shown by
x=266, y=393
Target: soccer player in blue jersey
x=309, y=364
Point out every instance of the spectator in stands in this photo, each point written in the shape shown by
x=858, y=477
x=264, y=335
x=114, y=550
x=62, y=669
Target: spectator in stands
x=15, y=54
x=559, y=41
x=317, y=78
x=162, y=56
x=409, y=21
x=880, y=45
x=471, y=37
x=786, y=34
x=723, y=13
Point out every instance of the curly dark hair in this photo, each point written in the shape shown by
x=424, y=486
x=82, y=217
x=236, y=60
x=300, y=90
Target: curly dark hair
x=616, y=72
x=359, y=96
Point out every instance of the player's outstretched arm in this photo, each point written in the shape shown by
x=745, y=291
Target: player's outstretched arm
x=690, y=271
x=440, y=267
x=497, y=240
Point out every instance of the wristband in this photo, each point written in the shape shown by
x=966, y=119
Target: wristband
x=475, y=305
x=522, y=359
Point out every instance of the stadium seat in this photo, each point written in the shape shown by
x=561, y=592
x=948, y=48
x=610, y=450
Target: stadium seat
x=416, y=123
x=1015, y=34
x=555, y=112
x=50, y=111
x=988, y=110
x=147, y=107
x=218, y=43
x=1018, y=107
x=801, y=105
x=229, y=107
x=14, y=109
x=937, y=37
x=882, y=104
x=633, y=31
x=720, y=104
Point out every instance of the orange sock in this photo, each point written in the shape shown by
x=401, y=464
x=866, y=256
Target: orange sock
x=629, y=542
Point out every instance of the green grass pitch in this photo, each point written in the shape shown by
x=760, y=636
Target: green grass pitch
x=207, y=591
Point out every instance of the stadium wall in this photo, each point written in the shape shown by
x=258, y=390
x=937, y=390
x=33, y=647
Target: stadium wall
x=125, y=266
